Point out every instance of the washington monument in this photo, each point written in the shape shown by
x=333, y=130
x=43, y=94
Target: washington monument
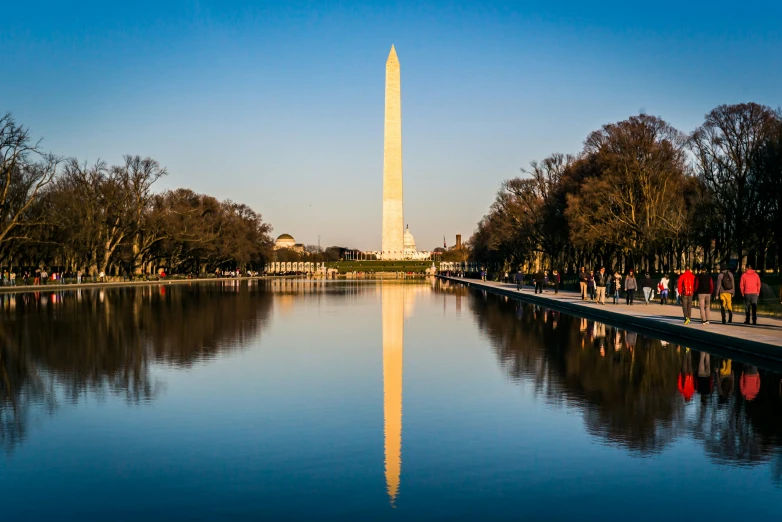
x=393, y=220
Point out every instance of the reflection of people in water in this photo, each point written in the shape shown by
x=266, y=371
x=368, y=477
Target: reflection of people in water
x=749, y=384
x=617, y=340
x=686, y=380
x=705, y=382
x=630, y=339
x=726, y=381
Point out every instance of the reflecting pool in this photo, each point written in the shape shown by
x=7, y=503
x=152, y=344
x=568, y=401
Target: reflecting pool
x=378, y=400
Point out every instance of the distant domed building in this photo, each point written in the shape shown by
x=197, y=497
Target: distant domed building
x=287, y=241
x=410, y=252
x=409, y=242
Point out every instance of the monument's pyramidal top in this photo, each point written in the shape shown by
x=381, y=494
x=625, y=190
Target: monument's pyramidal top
x=392, y=55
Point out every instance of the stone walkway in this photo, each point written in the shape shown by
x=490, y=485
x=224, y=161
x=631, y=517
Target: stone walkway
x=764, y=339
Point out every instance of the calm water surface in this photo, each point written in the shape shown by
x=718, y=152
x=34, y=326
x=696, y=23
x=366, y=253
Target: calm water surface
x=294, y=400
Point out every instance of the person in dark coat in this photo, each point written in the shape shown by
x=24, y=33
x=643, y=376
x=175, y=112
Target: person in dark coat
x=647, y=286
x=519, y=279
x=556, y=280
x=726, y=288
x=704, y=287
x=540, y=280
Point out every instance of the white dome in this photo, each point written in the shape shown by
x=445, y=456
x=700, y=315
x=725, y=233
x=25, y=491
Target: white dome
x=409, y=241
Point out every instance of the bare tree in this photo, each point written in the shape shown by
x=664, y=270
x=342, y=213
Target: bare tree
x=636, y=201
x=726, y=147
x=24, y=172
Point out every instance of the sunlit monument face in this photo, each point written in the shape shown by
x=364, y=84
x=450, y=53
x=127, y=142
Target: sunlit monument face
x=393, y=219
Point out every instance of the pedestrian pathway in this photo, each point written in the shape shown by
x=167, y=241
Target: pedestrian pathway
x=764, y=339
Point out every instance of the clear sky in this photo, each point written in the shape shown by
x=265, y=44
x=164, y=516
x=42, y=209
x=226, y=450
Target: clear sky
x=280, y=104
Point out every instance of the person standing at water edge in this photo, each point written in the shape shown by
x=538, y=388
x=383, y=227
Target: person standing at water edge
x=631, y=285
x=582, y=282
x=686, y=288
x=519, y=279
x=704, y=287
x=725, y=289
x=600, y=285
x=646, y=286
x=750, y=289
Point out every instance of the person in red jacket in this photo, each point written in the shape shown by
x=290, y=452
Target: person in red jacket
x=686, y=287
x=750, y=289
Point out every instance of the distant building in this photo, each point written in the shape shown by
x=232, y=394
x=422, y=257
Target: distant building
x=287, y=241
x=410, y=252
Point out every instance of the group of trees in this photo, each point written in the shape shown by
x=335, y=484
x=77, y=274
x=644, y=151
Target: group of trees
x=95, y=217
x=643, y=194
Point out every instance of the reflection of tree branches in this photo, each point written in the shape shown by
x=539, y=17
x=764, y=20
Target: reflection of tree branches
x=626, y=388
x=74, y=344
x=23, y=387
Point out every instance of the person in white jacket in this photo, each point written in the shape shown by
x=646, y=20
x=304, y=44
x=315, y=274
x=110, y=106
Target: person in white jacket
x=663, y=289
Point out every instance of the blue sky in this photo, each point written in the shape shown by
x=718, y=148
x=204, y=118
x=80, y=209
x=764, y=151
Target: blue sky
x=280, y=104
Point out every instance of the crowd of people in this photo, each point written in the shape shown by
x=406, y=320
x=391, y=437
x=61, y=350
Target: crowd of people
x=688, y=288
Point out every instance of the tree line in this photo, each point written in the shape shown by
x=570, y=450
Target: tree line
x=642, y=194
x=70, y=215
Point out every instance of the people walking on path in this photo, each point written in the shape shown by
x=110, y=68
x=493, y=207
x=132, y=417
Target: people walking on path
x=647, y=287
x=750, y=289
x=519, y=279
x=582, y=282
x=540, y=279
x=556, y=280
x=631, y=285
x=662, y=287
x=617, y=280
x=601, y=281
x=591, y=285
x=726, y=288
x=704, y=288
x=686, y=288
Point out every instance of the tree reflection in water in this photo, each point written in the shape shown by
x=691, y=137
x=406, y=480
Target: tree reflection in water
x=61, y=346
x=626, y=385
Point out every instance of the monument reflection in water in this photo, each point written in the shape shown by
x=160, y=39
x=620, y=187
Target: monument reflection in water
x=393, y=309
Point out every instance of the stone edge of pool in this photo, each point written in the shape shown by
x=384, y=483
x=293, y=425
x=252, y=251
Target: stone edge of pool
x=680, y=332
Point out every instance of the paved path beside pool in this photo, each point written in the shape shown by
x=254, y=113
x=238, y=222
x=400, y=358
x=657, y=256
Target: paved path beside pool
x=765, y=339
